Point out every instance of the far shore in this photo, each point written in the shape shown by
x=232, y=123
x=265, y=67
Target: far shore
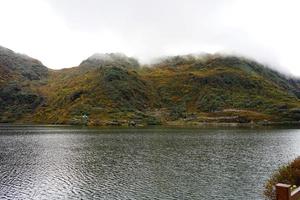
x=285, y=124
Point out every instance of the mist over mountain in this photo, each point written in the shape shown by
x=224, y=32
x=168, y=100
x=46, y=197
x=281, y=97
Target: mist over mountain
x=109, y=59
x=113, y=89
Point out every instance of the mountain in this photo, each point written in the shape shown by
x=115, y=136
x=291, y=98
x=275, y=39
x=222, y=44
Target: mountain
x=106, y=90
x=113, y=89
x=18, y=75
x=225, y=88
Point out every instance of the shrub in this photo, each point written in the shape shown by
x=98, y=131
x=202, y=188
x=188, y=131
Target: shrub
x=153, y=121
x=287, y=174
x=178, y=111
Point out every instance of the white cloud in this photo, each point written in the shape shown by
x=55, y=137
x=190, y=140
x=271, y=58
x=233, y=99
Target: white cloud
x=61, y=33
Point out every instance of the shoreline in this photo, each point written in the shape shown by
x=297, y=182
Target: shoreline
x=291, y=124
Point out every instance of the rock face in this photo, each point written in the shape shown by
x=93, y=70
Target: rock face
x=115, y=88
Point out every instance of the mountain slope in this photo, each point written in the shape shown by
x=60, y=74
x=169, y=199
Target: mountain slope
x=216, y=84
x=18, y=75
x=112, y=89
x=22, y=66
x=107, y=92
x=178, y=89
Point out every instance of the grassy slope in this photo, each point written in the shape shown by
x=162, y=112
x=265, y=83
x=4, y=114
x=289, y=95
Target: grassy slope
x=103, y=94
x=179, y=89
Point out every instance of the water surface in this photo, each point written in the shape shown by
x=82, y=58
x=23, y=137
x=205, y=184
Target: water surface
x=156, y=163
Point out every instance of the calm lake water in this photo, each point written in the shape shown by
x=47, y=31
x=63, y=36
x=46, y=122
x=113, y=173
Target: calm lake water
x=74, y=163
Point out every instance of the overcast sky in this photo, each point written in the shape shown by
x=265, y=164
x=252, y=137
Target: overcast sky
x=61, y=33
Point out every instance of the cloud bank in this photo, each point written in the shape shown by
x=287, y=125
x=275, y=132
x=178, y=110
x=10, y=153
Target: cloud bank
x=63, y=32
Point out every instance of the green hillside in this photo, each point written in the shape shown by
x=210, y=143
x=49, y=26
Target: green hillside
x=112, y=89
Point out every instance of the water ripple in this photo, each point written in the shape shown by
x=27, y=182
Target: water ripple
x=67, y=163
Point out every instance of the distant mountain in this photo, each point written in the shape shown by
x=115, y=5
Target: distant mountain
x=112, y=89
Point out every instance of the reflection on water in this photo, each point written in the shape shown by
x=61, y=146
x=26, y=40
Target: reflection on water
x=69, y=163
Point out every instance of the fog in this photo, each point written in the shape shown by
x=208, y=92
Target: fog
x=62, y=33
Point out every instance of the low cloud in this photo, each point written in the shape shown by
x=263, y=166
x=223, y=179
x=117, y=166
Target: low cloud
x=263, y=30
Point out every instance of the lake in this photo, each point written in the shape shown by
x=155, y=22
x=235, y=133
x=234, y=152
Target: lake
x=44, y=162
